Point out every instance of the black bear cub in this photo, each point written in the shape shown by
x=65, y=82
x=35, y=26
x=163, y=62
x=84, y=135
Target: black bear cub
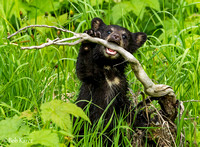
x=101, y=70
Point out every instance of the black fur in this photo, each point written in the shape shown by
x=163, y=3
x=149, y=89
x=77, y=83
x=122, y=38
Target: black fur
x=102, y=72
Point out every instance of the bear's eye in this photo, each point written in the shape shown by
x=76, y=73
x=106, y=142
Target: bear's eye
x=124, y=36
x=109, y=32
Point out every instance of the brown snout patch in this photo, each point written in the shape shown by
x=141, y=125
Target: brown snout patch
x=111, y=37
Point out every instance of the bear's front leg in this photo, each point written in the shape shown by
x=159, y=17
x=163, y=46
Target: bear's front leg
x=85, y=64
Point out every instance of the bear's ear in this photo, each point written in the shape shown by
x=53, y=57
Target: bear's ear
x=139, y=38
x=97, y=23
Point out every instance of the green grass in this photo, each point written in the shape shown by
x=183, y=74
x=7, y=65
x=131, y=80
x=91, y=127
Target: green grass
x=30, y=78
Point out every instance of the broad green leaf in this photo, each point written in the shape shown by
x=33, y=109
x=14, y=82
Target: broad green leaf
x=75, y=110
x=65, y=133
x=140, y=8
x=12, y=128
x=44, y=137
x=24, y=130
x=96, y=2
x=18, y=144
x=55, y=112
x=147, y=3
x=42, y=7
x=63, y=19
x=152, y=4
x=135, y=6
x=45, y=6
x=41, y=20
x=121, y=9
x=58, y=112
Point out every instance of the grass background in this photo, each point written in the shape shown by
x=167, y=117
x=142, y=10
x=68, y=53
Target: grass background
x=30, y=78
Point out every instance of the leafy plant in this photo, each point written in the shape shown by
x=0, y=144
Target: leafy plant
x=44, y=137
x=16, y=131
x=134, y=6
x=59, y=113
x=13, y=127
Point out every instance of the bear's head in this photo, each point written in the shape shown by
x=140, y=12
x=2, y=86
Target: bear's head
x=116, y=34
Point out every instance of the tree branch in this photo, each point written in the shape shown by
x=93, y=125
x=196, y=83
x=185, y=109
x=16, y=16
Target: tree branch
x=150, y=88
x=46, y=26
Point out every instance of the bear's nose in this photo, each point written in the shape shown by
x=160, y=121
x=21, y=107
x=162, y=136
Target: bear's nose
x=115, y=38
